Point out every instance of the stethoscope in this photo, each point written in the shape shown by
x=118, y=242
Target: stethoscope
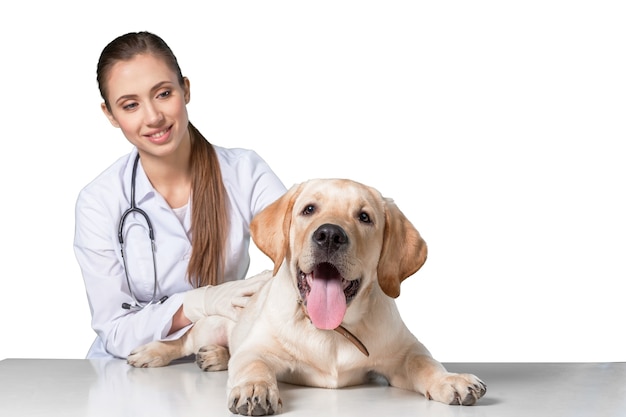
x=134, y=209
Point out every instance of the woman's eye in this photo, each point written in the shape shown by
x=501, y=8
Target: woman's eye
x=130, y=106
x=364, y=217
x=164, y=94
x=308, y=210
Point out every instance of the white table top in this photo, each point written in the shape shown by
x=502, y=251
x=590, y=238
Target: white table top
x=86, y=388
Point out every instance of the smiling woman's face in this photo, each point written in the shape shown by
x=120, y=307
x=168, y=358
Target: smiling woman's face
x=148, y=104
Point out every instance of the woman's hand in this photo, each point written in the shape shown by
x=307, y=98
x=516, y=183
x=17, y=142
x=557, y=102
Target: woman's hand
x=225, y=300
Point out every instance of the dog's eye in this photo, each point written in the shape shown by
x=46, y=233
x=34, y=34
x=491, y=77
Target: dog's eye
x=364, y=217
x=308, y=210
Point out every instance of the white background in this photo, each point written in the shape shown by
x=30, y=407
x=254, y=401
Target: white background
x=497, y=127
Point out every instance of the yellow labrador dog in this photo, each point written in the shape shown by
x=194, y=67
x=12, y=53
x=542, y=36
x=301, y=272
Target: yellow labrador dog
x=328, y=316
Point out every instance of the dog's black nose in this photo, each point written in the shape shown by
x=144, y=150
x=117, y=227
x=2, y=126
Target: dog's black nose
x=330, y=237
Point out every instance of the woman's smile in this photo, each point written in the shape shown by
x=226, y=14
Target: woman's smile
x=159, y=137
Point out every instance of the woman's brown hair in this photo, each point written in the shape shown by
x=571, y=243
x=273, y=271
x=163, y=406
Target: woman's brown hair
x=209, y=219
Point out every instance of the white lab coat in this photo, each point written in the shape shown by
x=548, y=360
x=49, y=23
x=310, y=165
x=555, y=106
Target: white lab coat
x=250, y=185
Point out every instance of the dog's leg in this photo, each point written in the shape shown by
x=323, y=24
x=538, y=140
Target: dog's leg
x=209, y=331
x=421, y=373
x=157, y=353
x=213, y=358
x=253, y=386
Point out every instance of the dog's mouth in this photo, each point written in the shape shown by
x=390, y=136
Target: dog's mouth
x=326, y=294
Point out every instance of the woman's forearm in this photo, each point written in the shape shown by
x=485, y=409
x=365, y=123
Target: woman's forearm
x=179, y=320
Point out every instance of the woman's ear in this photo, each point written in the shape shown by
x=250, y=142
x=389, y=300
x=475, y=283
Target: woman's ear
x=187, y=90
x=109, y=116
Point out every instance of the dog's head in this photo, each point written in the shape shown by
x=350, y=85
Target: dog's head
x=338, y=237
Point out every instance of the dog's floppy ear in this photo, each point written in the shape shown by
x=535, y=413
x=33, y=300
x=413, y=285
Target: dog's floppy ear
x=270, y=228
x=403, y=253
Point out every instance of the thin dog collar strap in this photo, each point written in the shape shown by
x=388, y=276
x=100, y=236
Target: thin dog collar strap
x=342, y=331
x=352, y=338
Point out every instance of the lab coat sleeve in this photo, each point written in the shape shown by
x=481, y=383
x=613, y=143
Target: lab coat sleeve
x=266, y=186
x=96, y=250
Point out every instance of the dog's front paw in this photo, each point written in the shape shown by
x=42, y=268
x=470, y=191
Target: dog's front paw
x=254, y=399
x=457, y=389
x=213, y=358
x=150, y=355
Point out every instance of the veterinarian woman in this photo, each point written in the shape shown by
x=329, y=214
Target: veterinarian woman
x=194, y=199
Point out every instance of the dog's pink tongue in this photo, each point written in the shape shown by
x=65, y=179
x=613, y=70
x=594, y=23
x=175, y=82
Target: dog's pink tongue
x=326, y=303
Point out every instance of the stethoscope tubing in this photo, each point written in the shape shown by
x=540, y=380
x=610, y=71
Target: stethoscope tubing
x=120, y=235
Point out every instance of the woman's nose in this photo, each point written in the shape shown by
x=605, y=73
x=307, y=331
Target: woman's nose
x=153, y=115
